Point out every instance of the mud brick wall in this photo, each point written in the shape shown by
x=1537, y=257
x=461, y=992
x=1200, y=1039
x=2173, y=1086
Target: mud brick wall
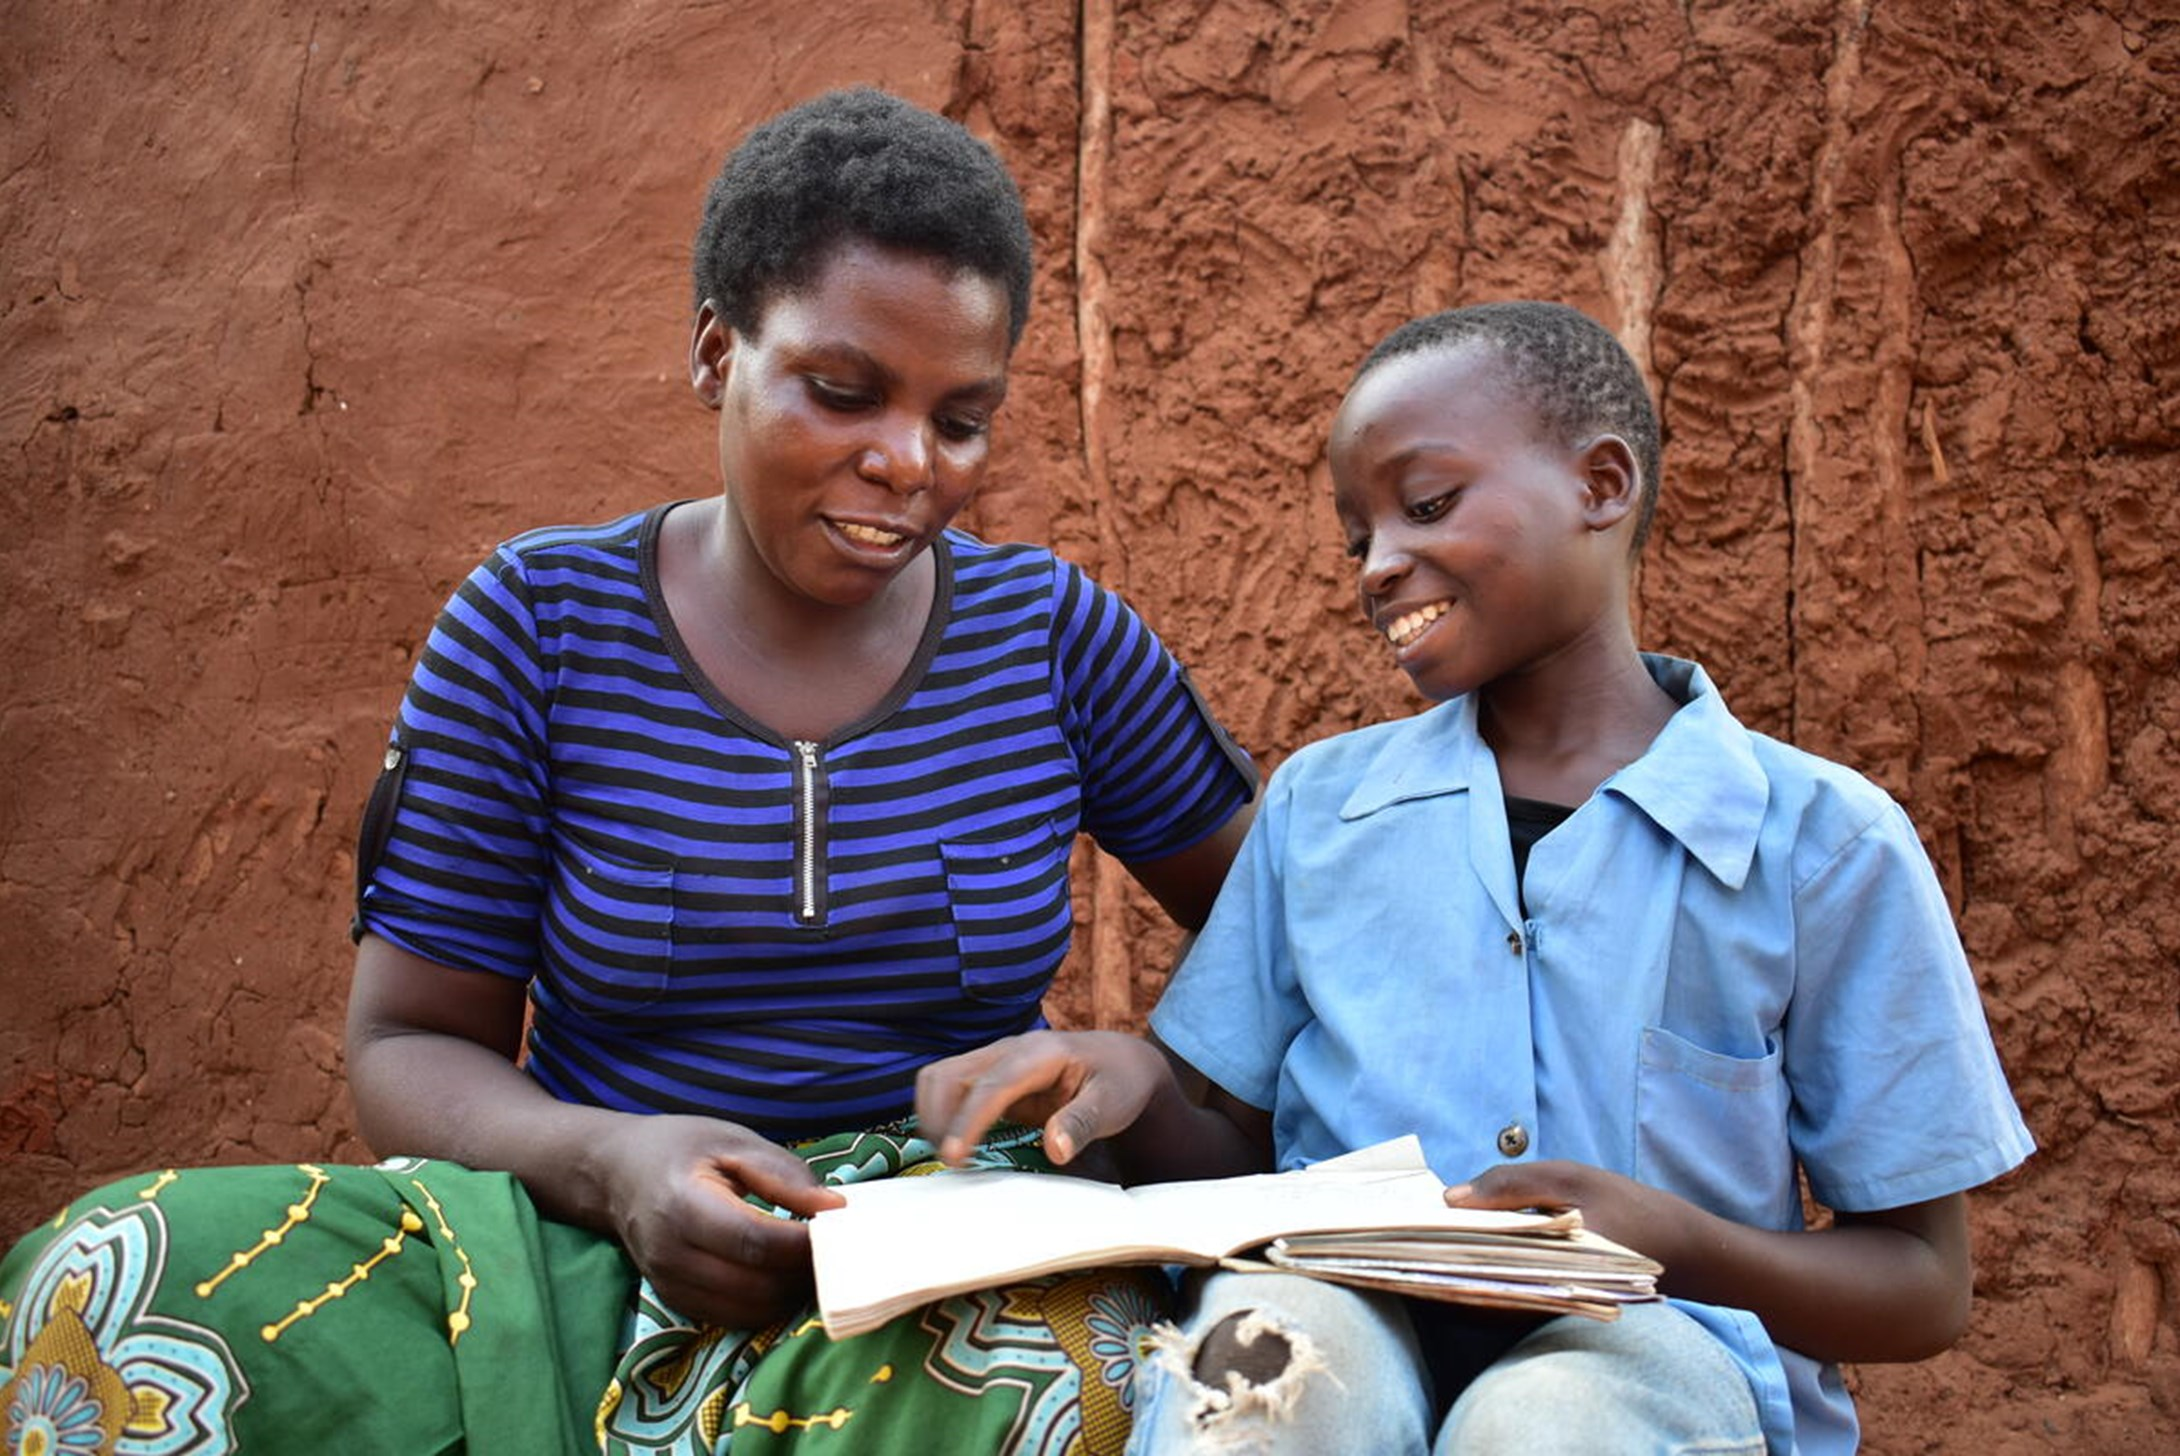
x=302, y=308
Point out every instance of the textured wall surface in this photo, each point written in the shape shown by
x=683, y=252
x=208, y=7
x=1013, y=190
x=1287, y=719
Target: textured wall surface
x=302, y=308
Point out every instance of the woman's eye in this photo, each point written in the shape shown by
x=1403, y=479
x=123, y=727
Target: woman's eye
x=837, y=397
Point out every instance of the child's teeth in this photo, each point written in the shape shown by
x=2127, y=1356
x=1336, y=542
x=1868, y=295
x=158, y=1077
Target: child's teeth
x=1408, y=626
x=869, y=535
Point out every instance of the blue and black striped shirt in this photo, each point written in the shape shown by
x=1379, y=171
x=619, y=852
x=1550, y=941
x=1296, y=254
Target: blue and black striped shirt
x=715, y=919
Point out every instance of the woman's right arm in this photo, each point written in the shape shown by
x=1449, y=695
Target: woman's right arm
x=431, y=1063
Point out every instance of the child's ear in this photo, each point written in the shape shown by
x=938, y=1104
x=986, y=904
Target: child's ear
x=1611, y=483
x=711, y=346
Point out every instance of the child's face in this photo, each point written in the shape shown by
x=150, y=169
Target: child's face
x=1484, y=548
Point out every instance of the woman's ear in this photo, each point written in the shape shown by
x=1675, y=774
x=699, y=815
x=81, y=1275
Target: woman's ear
x=711, y=347
x=1611, y=482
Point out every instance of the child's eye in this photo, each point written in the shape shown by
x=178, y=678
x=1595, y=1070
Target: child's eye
x=1434, y=507
x=963, y=427
x=1357, y=547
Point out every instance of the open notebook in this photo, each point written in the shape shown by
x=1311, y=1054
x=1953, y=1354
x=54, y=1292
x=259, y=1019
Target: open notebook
x=1374, y=1218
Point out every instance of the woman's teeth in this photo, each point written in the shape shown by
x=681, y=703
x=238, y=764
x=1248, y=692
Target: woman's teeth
x=870, y=535
x=1408, y=626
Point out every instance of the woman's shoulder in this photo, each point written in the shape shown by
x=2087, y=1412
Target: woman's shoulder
x=977, y=560
x=1010, y=576
x=1010, y=569
x=615, y=539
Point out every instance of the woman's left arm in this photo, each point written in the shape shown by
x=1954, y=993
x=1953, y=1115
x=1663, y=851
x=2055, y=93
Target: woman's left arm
x=1888, y=1285
x=1186, y=884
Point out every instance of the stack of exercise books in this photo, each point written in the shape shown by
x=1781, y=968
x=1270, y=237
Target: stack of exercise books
x=1376, y=1219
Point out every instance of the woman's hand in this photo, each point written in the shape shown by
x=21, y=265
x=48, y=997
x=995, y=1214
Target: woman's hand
x=431, y=1062
x=1080, y=1086
x=675, y=1189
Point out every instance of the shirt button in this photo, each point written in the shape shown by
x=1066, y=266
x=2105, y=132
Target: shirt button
x=1513, y=1140
x=1513, y=941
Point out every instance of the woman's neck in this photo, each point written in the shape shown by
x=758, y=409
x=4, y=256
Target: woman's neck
x=803, y=668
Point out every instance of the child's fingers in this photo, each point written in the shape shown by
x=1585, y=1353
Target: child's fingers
x=943, y=1094
x=992, y=1092
x=939, y=1090
x=1517, y=1185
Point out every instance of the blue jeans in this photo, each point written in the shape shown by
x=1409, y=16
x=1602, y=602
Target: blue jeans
x=1357, y=1379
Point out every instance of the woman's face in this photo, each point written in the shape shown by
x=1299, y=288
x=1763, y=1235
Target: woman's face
x=855, y=422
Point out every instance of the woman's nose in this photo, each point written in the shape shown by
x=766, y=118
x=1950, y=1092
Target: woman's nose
x=900, y=459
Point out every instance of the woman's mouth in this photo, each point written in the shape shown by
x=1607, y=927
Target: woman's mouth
x=863, y=535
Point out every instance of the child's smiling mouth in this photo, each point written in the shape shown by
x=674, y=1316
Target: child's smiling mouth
x=1408, y=626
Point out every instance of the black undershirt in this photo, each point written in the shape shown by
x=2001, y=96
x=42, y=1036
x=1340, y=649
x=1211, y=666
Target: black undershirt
x=1527, y=821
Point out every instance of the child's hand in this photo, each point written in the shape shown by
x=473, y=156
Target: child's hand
x=1881, y=1284
x=1081, y=1085
x=1645, y=1219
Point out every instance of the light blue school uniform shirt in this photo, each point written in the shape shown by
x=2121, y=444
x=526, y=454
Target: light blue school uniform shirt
x=1735, y=957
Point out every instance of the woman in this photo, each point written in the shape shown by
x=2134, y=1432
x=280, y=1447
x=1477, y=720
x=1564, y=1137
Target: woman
x=752, y=806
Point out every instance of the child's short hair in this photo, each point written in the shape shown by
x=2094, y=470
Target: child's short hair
x=849, y=165
x=1581, y=383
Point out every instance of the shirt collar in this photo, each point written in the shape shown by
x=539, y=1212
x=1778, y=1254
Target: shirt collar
x=1699, y=781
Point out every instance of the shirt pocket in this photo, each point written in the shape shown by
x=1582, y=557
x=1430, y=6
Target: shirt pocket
x=1713, y=1128
x=609, y=927
x=1012, y=918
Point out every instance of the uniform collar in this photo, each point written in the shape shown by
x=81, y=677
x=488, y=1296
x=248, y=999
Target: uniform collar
x=1699, y=781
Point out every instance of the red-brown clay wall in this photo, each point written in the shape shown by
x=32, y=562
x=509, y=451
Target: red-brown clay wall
x=305, y=307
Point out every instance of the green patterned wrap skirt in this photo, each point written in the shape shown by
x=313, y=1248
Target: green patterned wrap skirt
x=419, y=1307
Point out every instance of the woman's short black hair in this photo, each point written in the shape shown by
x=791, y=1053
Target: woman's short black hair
x=1569, y=367
x=849, y=165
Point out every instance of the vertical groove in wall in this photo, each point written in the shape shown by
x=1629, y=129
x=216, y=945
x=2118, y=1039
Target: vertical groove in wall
x=1112, y=987
x=1635, y=275
x=1809, y=314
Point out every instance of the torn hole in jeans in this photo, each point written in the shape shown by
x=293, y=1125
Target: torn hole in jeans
x=1248, y=1364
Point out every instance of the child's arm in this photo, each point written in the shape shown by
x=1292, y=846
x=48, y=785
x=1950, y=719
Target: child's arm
x=1085, y=1087
x=1892, y=1284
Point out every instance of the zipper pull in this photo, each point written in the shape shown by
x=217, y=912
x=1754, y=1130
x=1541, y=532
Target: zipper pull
x=809, y=813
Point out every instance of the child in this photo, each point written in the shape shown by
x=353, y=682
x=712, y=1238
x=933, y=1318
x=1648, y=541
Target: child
x=1599, y=944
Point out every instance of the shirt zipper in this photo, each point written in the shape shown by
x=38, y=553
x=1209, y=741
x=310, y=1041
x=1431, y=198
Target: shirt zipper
x=809, y=834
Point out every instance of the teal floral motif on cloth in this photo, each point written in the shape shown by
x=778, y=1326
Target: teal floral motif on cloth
x=89, y=1369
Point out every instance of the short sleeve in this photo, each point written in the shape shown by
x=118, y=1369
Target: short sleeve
x=1234, y=1007
x=1898, y=1095
x=459, y=860
x=1158, y=772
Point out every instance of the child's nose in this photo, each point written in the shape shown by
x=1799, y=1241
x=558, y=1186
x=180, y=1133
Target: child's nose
x=1383, y=564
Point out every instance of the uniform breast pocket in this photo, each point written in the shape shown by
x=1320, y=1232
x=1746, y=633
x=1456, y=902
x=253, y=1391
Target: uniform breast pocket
x=609, y=927
x=1009, y=902
x=1713, y=1128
